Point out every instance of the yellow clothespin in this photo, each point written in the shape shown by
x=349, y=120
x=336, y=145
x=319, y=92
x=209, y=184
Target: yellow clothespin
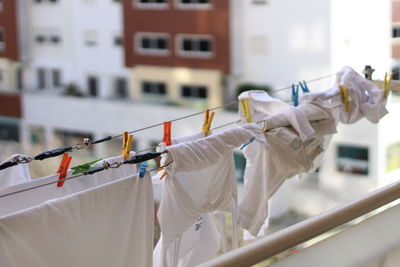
x=246, y=109
x=386, y=85
x=127, y=140
x=207, y=122
x=344, y=96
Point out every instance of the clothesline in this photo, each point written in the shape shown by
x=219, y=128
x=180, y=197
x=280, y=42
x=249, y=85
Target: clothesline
x=87, y=142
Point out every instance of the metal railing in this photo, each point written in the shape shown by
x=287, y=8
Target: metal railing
x=283, y=240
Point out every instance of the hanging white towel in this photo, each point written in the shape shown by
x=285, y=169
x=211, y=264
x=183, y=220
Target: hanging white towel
x=30, y=198
x=14, y=175
x=109, y=225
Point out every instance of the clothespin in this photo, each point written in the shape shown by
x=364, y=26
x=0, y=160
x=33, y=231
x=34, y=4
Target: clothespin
x=63, y=168
x=142, y=169
x=248, y=143
x=207, y=122
x=84, y=167
x=167, y=133
x=386, y=84
x=126, y=145
x=344, y=96
x=295, y=94
x=304, y=87
x=246, y=109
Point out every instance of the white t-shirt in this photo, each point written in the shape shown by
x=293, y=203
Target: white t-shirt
x=14, y=175
x=29, y=198
x=201, y=179
x=200, y=242
x=109, y=225
x=291, y=147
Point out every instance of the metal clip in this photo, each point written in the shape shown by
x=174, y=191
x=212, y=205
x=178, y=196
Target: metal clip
x=86, y=143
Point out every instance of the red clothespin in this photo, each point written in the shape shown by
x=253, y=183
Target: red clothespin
x=167, y=133
x=63, y=168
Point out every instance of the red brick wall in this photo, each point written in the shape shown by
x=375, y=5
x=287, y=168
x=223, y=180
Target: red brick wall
x=10, y=105
x=8, y=21
x=214, y=21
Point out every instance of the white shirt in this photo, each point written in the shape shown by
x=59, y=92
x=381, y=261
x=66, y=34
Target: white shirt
x=201, y=179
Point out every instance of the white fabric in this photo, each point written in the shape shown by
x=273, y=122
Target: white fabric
x=29, y=198
x=198, y=243
x=201, y=179
x=14, y=175
x=366, y=99
x=109, y=225
x=287, y=151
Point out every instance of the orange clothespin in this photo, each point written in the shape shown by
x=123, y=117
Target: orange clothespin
x=246, y=109
x=127, y=140
x=63, y=168
x=344, y=96
x=167, y=133
x=207, y=122
x=386, y=84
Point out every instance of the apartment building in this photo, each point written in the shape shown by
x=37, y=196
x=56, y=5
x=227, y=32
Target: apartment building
x=396, y=38
x=10, y=75
x=179, y=50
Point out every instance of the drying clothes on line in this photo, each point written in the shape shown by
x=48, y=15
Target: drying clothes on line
x=201, y=179
x=200, y=242
x=366, y=99
x=109, y=225
x=30, y=198
x=14, y=175
x=289, y=148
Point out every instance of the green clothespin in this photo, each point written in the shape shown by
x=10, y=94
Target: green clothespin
x=84, y=167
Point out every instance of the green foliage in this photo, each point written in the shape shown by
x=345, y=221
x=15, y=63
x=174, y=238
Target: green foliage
x=72, y=89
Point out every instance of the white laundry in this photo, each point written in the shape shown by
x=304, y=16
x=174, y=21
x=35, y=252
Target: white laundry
x=287, y=151
x=109, y=225
x=49, y=190
x=199, y=243
x=201, y=179
x=14, y=175
x=366, y=99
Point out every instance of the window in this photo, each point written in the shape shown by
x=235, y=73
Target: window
x=9, y=129
x=193, y=3
x=20, y=78
x=194, y=91
x=90, y=38
x=396, y=73
x=195, y=46
x=240, y=166
x=55, y=39
x=156, y=4
x=155, y=88
x=352, y=159
x=37, y=135
x=53, y=1
x=121, y=87
x=396, y=31
x=152, y=43
x=117, y=40
x=41, y=79
x=2, y=39
x=40, y=38
x=93, y=85
x=1, y=76
x=56, y=78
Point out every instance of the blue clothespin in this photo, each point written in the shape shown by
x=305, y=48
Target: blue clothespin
x=304, y=87
x=142, y=169
x=295, y=94
x=248, y=143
